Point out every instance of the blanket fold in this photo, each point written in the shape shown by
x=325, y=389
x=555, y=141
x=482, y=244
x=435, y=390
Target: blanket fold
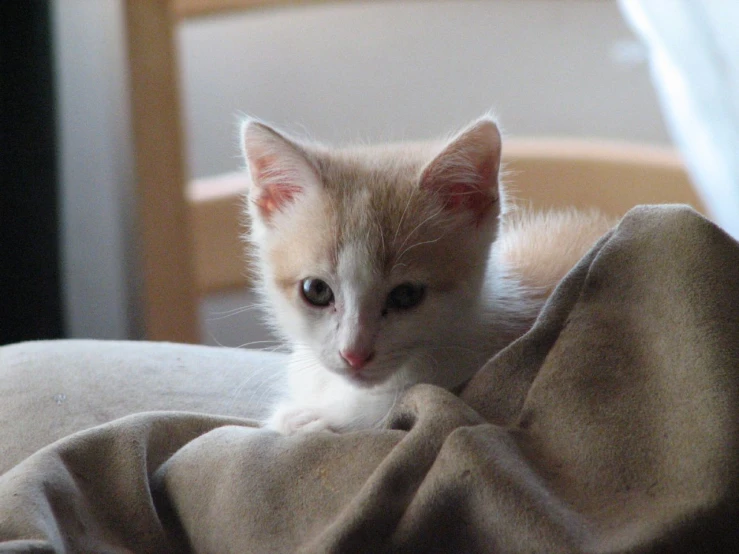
x=611, y=426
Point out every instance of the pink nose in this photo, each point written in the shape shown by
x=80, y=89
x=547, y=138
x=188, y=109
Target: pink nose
x=357, y=359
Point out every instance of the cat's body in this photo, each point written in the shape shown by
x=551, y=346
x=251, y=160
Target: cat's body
x=380, y=266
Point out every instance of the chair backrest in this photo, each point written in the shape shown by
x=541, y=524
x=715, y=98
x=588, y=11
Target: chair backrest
x=611, y=176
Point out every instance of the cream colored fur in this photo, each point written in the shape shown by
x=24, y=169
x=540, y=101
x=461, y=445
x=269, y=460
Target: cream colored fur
x=366, y=220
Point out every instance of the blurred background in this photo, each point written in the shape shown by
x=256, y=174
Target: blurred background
x=371, y=71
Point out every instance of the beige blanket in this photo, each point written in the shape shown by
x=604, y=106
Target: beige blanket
x=612, y=426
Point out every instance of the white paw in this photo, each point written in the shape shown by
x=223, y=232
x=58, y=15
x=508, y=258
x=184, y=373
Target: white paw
x=290, y=421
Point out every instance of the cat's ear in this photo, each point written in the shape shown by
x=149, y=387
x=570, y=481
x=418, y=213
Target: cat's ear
x=465, y=174
x=278, y=168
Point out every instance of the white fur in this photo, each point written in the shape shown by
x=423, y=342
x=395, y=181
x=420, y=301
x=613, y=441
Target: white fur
x=457, y=344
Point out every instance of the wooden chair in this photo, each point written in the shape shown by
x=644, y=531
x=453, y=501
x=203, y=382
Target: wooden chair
x=189, y=231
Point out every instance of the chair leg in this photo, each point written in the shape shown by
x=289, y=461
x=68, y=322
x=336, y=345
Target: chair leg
x=170, y=294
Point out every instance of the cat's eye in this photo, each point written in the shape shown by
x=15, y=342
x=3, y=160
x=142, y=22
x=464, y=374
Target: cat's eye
x=405, y=296
x=316, y=292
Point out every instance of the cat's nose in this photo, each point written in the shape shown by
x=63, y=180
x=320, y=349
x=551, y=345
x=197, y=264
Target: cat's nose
x=357, y=359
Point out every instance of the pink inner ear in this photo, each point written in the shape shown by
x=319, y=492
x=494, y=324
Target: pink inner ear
x=274, y=196
x=276, y=187
x=474, y=193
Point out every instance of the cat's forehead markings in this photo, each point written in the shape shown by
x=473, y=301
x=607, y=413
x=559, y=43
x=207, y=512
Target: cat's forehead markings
x=356, y=268
x=373, y=197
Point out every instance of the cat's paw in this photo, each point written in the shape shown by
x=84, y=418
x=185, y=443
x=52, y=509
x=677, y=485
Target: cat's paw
x=291, y=421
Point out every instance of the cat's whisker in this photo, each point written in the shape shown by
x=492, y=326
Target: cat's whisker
x=305, y=362
x=378, y=226
x=432, y=216
x=254, y=373
x=217, y=316
x=402, y=216
x=265, y=391
x=421, y=243
x=272, y=345
x=216, y=341
x=235, y=395
x=397, y=265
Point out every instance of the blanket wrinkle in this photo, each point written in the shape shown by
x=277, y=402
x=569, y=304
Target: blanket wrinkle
x=370, y=519
x=91, y=490
x=517, y=365
x=612, y=426
x=642, y=441
x=293, y=486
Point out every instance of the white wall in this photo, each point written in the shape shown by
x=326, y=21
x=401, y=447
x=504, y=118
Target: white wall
x=369, y=71
x=96, y=169
x=391, y=70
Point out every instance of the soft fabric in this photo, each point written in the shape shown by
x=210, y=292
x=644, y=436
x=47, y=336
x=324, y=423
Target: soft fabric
x=51, y=389
x=610, y=427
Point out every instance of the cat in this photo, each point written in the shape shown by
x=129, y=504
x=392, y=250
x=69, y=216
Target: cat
x=385, y=266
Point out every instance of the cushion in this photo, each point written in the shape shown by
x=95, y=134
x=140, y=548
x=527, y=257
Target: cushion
x=64, y=386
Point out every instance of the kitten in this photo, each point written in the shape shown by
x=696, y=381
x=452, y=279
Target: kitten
x=380, y=267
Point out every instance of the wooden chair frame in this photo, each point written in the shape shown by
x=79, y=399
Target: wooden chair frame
x=190, y=232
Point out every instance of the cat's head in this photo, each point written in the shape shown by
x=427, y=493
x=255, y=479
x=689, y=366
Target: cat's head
x=373, y=258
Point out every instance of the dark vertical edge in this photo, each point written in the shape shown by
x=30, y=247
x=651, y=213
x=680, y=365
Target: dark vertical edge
x=30, y=276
